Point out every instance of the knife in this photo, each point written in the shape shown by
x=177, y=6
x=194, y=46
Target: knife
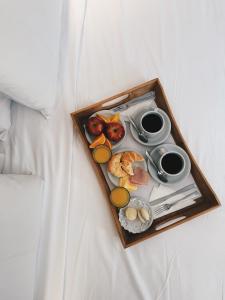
x=164, y=198
x=148, y=96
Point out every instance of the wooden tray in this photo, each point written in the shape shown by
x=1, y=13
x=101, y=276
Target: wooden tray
x=203, y=204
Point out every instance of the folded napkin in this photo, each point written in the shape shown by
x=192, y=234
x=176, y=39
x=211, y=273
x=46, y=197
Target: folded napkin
x=162, y=190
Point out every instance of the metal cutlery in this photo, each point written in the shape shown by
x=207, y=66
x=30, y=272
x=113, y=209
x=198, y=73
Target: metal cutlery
x=148, y=96
x=167, y=197
x=141, y=135
x=160, y=174
x=167, y=206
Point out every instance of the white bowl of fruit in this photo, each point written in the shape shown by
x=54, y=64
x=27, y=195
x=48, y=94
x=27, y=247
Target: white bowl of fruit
x=105, y=128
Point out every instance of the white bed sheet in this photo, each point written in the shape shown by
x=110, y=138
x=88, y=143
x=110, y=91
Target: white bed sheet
x=119, y=44
x=43, y=147
x=107, y=47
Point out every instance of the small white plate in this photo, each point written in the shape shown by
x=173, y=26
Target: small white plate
x=159, y=138
x=141, y=164
x=106, y=113
x=136, y=226
x=171, y=179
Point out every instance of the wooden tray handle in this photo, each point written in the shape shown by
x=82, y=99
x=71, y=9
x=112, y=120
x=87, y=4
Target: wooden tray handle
x=173, y=219
x=169, y=222
x=114, y=101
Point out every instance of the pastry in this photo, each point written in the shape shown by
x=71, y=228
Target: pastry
x=131, y=156
x=140, y=217
x=114, y=166
x=127, y=160
x=127, y=167
x=125, y=182
x=131, y=213
x=145, y=214
x=120, y=166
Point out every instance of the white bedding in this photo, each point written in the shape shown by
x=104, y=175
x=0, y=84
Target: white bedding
x=44, y=147
x=123, y=43
x=108, y=47
x=20, y=219
x=29, y=53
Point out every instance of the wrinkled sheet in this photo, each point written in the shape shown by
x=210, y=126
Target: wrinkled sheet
x=43, y=147
x=120, y=44
x=107, y=47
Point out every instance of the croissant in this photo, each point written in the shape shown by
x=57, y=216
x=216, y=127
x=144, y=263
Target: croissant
x=114, y=166
x=132, y=156
x=127, y=159
x=120, y=165
x=127, y=167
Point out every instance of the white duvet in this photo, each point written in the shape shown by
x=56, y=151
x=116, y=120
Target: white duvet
x=108, y=47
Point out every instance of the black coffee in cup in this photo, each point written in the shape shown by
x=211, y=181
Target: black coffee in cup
x=172, y=163
x=152, y=122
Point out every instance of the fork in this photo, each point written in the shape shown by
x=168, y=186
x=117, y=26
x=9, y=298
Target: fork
x=164, y=207
x=176, y=193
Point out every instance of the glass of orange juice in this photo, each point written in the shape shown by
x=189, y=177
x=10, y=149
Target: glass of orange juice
x=120, y=197
x=101, y=154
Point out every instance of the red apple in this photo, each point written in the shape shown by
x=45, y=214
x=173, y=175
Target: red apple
x=95, y=126
x=115, y=131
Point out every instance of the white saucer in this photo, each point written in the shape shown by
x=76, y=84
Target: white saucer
x=106, y=113
x=171, y=179
x=141, y=164
x=136, y=226
x=159, y=138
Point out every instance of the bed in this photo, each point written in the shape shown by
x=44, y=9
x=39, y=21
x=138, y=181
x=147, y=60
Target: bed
x=106, y=48
x=121, y=44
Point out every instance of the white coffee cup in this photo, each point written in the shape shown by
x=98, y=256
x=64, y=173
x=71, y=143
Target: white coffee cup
x=171, y=163
x=152, y=123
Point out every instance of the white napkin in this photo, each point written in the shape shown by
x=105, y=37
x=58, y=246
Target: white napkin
x=162, y=190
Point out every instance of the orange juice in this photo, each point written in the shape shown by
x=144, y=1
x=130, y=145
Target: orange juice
x=101, y=154
x=120, y=197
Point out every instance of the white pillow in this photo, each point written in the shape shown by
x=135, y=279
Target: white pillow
x=5, y=116
x=29, y=52
x=20, y=214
